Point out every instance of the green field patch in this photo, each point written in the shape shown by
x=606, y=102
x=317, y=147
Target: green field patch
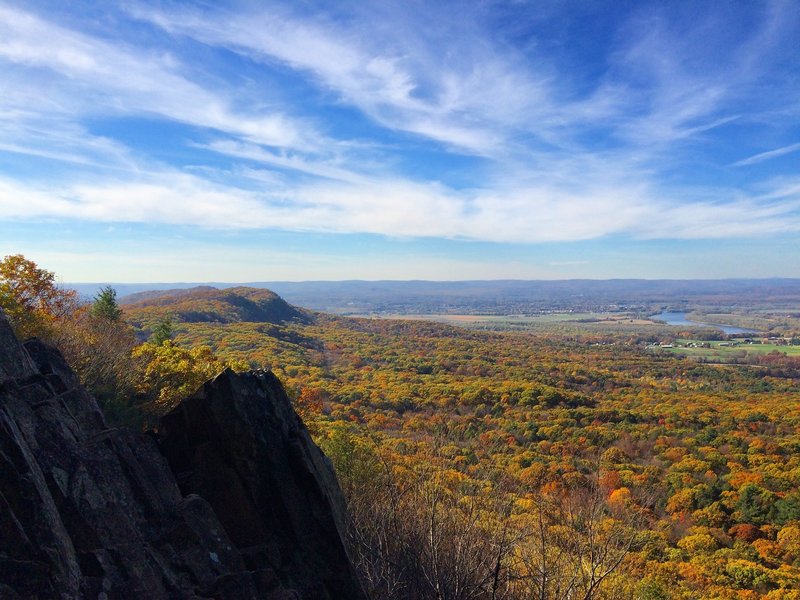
x=561, y=321
x=726, y=350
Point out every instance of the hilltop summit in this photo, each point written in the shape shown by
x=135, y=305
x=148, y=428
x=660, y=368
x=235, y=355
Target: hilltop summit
x=206, y=304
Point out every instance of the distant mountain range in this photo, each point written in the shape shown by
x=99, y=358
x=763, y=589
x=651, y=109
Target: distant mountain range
x=492, y=297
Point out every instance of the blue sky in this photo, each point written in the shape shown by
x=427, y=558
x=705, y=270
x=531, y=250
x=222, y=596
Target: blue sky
x=244, y=141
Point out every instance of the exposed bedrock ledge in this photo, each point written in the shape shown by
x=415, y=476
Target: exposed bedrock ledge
x=88, y=511
x=238, y=443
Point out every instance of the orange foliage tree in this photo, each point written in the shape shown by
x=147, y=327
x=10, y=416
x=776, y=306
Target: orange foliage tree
x=30, y=297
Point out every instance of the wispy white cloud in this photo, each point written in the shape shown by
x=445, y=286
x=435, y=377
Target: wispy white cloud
x=320, y=167
x=466, y=98
x=762, y=156
x=60, y=72
x=399, y=208
x=451, y=81
x=61, y=140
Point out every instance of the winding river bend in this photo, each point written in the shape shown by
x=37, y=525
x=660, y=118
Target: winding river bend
x=679, y=319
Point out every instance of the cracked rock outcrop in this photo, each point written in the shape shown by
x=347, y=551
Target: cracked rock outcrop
x=232, y=500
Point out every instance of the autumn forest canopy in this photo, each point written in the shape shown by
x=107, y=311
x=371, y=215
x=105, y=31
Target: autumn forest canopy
x=585, y=451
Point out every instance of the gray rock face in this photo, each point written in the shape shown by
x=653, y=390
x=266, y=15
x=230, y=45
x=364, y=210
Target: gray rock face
x=88, y=511
x=14, y=362
x=238, y=443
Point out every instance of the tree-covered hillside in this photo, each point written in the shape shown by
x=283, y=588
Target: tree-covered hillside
x=208, y=304
x=686, y=474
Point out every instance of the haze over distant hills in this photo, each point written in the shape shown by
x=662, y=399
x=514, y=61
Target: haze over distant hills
x=494, y=297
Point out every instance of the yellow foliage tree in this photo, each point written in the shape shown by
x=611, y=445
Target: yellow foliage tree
x=698, y=543
x=172, y=372
x=789, y=541
x=30, y=297
x=620, y=499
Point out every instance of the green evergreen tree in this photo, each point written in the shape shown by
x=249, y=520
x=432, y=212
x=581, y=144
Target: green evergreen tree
x=788, y=508
x=756, y=505
x=105, y=305
x=162, y=332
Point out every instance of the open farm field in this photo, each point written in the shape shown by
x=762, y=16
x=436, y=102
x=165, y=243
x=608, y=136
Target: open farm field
x=764, y=320
x=573, y=322
x=724, y=351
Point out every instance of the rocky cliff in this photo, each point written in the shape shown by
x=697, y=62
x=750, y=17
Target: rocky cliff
x=231, y=500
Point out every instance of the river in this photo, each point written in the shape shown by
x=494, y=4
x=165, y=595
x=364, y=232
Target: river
x=679, y=319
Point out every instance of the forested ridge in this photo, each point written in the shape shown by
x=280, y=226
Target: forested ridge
x=513, y=465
